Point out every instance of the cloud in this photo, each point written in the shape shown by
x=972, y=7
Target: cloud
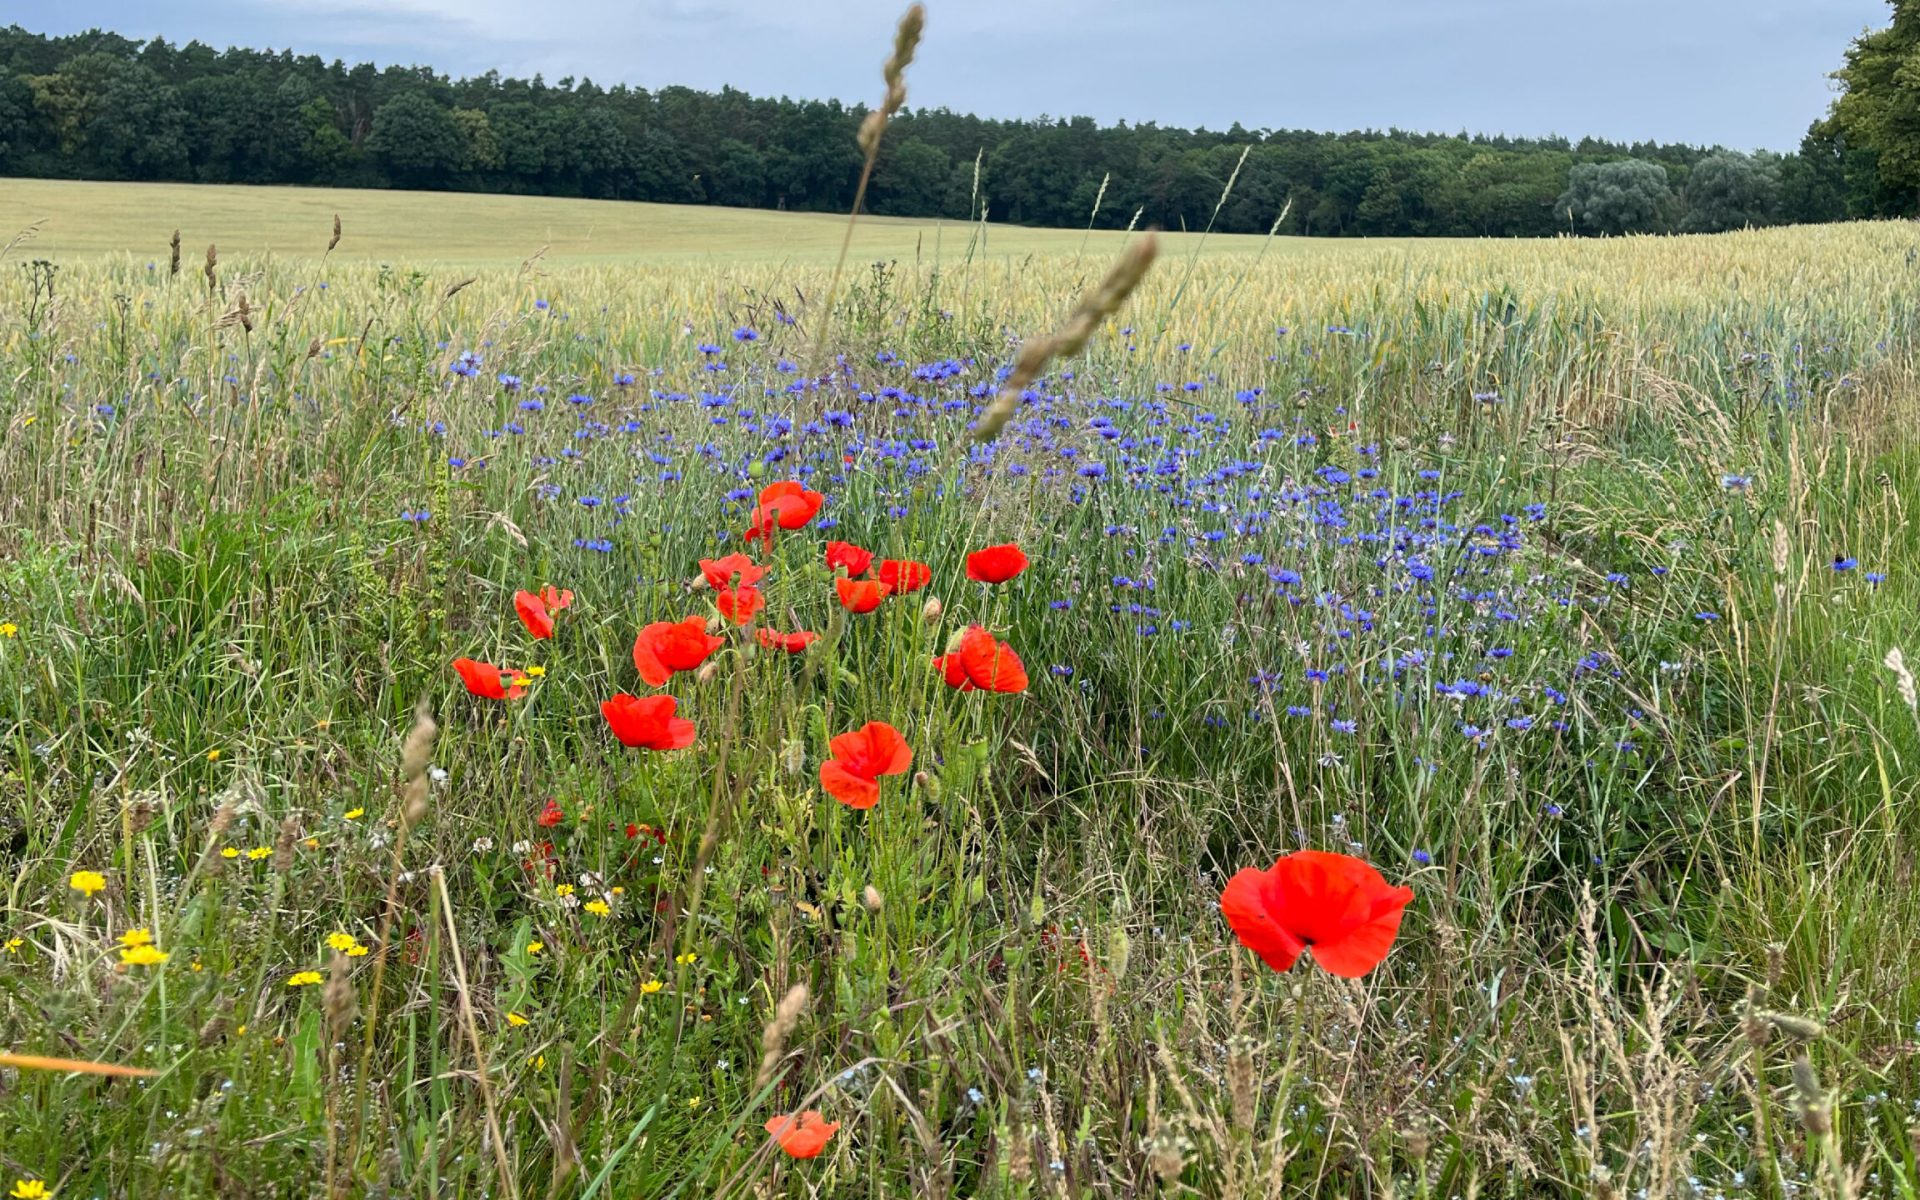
x=1746, y=73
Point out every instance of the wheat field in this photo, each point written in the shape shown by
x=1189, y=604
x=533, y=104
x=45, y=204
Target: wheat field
x=1567, y=584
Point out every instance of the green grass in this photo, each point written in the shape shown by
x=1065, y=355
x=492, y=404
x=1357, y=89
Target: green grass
x=1626, y=915
x=78, y=219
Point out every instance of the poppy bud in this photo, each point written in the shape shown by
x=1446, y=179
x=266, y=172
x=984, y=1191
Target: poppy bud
x=716, y=626
x=871, y=898
x=931, y=610
x=921, y=779
x=697, y=583
x=707, y=672
x=976, y=889
x=794, y=756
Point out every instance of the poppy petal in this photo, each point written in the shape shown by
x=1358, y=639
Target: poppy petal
x=846, y=787
x=533, y=614
x=1244, y=901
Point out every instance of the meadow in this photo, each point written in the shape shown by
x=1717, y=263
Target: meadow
x=1569, y=584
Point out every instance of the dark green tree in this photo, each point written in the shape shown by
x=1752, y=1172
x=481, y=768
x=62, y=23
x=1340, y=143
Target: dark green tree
x=1731, y=191
x=416, y=141
x=1878, y=111
x=1627, y=196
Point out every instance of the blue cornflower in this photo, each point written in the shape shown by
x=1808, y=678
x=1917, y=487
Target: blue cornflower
x=1345, y=726
x=1845, y=564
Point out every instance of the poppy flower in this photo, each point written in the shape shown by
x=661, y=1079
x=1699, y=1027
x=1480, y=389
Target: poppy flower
x=534, y=613
x=850, y=556
x=785, y=504
x=668, y=646
x=861, y=595
x=852, y=775
x=792, y=643
x=647, y=723
x=1332, y=904
x=720, y=572
x=490, y=682
x=802, y=1135
x=976, y=662
x=996, y=564
x=904, y=575
x=555, y=599
x=739, y=604
x=550, y=816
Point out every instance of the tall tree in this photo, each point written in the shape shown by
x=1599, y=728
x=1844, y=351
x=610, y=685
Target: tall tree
x=1878, y=110
x=1629, y=196
x=1731, y=191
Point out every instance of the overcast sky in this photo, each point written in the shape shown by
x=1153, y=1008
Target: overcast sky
x=1749, y=74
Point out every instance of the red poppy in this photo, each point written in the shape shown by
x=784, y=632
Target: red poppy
x=554, y=598
x=996, y=564
x=904, y=575
x=739, y=604
x=489, y=681
x=852, y=775
x=802, y=1135
x=976, y=662
x=792, y=643
x=861, y=595
x=1333, y=904
x=785, y=504
x=533, y=614
x=668, y=646
x=719, y=572
x=850, y=556
x=550, y=816
x=647, y=723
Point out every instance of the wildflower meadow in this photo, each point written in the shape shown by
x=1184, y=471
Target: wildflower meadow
x=1420, y=720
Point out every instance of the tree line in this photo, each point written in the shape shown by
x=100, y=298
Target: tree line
x=100, y=106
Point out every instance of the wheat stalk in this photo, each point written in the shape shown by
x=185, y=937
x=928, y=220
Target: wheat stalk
x=1081, y=324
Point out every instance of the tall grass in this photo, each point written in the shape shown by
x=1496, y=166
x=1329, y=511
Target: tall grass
x=1635, y=916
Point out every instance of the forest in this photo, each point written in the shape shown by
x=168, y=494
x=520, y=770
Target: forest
x=98, y=105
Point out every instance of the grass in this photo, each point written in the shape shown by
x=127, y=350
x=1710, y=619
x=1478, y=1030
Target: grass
x=1508, y=567
x=83, y=219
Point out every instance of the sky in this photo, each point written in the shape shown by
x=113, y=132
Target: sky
x=1747, y=74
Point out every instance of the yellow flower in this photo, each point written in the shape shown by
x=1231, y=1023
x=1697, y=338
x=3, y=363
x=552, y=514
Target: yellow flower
x=344, y=942
x=535, y=672
x=354, y=814
x=565, y=889
x=538, y=1062
x=303, y=978
x=9, y=629
x=87, y=882
x=514, y=1018
x=535, y=947
x=28, y=1189
x=693, y=1102
x=258, y=853
x=213, y=756
x=13, y=945
x=356, y=951
x=598, y=908
x=619, y=891
x=196, y=966
x=684, y=959
x=651, y=986
x=137, y=937
x=143, y=956
x=230, y=852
